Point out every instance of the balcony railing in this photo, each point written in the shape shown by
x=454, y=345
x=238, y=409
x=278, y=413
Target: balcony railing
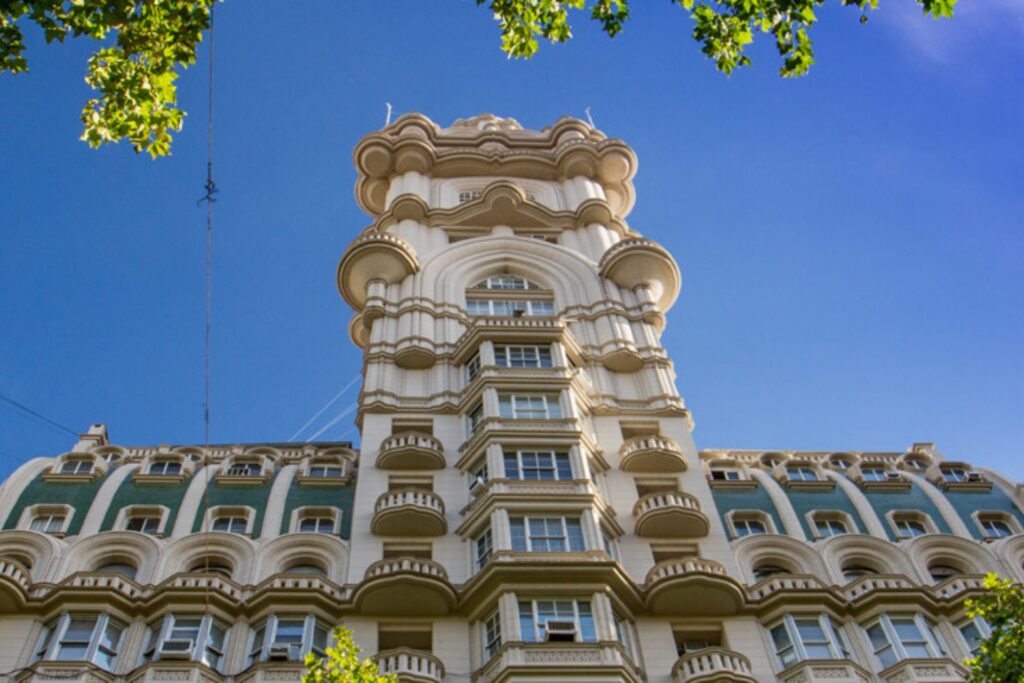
x=651, y=453
x=411, y=451
x=410, y=665
x=670, y=514
x=689, y=586
x=712, y=664
x=405, y=586
x=409, y=512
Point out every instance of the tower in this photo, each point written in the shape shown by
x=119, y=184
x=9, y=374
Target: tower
x=517, y=401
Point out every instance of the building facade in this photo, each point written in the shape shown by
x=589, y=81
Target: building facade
x=528, y=503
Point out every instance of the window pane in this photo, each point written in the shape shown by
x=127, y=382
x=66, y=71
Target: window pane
x=289, y=631
x=526, y=629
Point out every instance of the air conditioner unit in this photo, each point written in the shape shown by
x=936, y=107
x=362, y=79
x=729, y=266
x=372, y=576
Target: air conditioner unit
x=279, y=652
x=893, y=476
x=560, y=631
x=177, y=649
x=478, y=486
x=974, y=476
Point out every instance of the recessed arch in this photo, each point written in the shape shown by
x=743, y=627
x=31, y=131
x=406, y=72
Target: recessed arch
x=284, y=551
x=884, y=557
x=968, y=557
x=89, y=553
x=184, y=553
x=41, y=550
x=791, y=554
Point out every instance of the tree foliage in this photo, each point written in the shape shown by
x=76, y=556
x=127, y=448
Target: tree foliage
x=1001, y=656
x=153, y=40
x=342, y=664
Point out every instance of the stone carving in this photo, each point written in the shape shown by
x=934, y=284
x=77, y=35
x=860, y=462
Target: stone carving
x=488, y=122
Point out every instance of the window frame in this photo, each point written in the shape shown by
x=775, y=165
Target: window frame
x=53, y=639
x=202, y=644
x=483, y=548
x=551, y=406
x=542, y=356
x=935, y=647
x=798, y=645
x=560, y=462
x=529, y=540
x=491, y=639
x=269, y=627
x=538, y=626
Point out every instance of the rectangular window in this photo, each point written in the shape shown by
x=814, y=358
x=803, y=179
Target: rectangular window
x=230, y=525
x=483, y=548
x=165, y=468
x=523, y=356
x=507, y=308
x=829, y=527
x=475, y=417
x=574, y=619
x=492, y=635
x=899, y=637
x=47, y=524
x=725, y=475
x=538, y=466
x=76, y=467
x=798, y=638
x=530, y=406
x=326, y=471
x=245, y=469
x=975, y=632
x=472, y=368
x=89, y=639
x=143, y=524
x=546, y=534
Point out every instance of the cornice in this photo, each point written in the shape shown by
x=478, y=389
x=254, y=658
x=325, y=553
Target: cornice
x=502, y=202
x=567, y=149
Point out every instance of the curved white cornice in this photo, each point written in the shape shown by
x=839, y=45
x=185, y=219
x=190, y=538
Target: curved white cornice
x=945, y=508
x=190, y=503
x=274, y=512
x=14, y=485
x=788, y=516
x=101, y=503
x=860, y=503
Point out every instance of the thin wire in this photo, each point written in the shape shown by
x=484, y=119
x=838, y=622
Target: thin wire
x=325, y=407
x=337, y=418
x=33, y=413
x=211, y=189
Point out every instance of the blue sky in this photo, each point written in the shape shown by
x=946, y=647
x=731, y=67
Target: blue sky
x=851, y=242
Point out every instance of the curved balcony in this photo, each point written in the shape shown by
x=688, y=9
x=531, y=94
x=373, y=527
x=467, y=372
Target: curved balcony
x=651, y=454
x=636, y=261
x=670, y=514
x=405, y=586
x=410, y=666
x=411, y=451
x=713, y=665
x=409, y=512
x=373, y=256
x=692, y=586
x=14, y=586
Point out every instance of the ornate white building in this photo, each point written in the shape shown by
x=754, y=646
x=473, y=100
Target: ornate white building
x=528, y=503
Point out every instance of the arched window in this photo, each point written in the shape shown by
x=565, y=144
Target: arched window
x=942, y=570
x=506, y=282
x=212, y=565
x=118, y=566
x=508, y=296
x=766, y=569
x=305, y=567
x=856, y=569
